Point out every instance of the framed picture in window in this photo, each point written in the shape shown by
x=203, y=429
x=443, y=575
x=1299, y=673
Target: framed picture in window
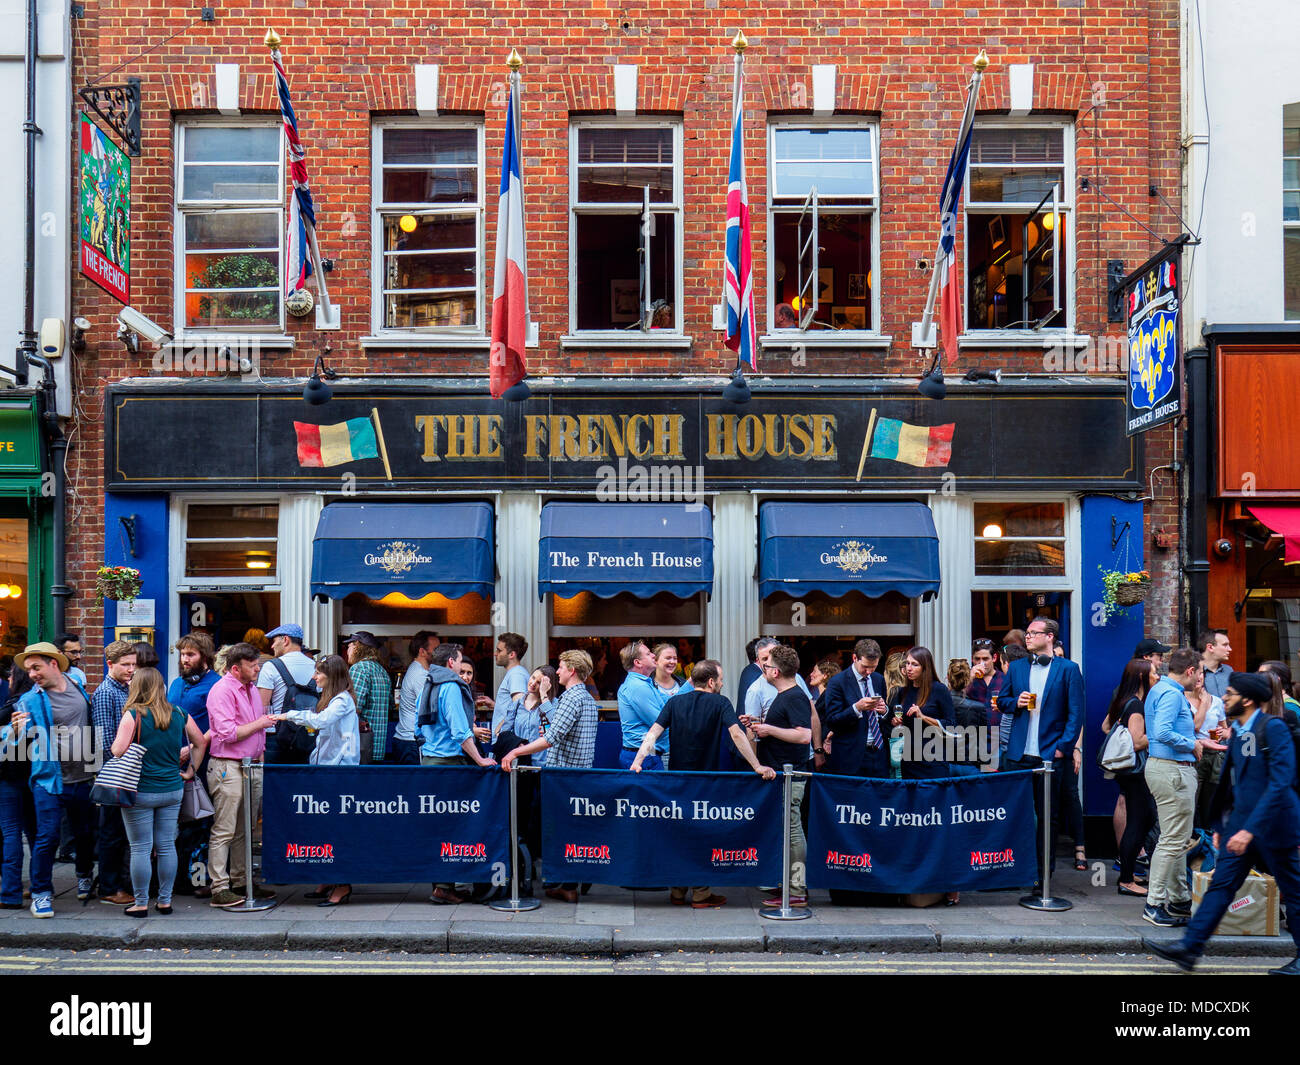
x=857, y=286
x=849, y=317
x=624, y=300
x=997, y=235
x=825, y=285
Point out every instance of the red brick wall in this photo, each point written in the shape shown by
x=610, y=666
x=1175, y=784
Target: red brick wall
x=904, y=64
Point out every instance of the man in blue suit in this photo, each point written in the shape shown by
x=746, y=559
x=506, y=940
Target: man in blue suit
x=855, y=702
x=1050, y=729
x=1263, y=826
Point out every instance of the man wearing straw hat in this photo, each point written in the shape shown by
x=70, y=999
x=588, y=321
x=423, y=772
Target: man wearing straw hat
x=54, y=715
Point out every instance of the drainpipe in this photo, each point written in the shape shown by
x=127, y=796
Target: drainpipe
x=1196, y=568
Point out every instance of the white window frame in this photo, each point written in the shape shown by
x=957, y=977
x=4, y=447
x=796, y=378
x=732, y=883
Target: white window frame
x=672, y=337
x=984, y=209
x=1071, y=582
x=269, y=581
x=1288, y=227
x=203, y=206
x=378, y=209
x=779, y=337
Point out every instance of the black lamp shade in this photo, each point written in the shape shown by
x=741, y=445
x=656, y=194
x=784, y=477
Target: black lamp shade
x=517, y=393
x=932, y=386
x=737, y=390
x=317, y=392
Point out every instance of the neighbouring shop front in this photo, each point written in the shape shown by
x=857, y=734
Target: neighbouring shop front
x=26, y=526
x=592, y=514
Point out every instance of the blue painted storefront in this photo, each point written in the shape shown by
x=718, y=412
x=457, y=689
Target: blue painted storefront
x=150, y=558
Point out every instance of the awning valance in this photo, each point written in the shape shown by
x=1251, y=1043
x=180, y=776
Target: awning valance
x=838, y=548
x=412, y=548
x=1285, y=521
x=641, y=548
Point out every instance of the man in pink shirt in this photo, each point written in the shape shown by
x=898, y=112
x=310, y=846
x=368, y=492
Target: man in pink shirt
x=238, y=727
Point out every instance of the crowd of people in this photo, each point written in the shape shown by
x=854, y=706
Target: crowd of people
x=1012, y=705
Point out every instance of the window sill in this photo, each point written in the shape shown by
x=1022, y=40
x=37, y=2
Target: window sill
x=625, y=339
x=425, y=341
x=244, y=340
x=1022, y=338
x=825, y=339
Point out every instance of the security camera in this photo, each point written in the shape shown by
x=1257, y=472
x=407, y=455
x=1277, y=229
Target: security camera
x=80, y=327
x=129, y=320
x=1223, y=548
x=52, y=338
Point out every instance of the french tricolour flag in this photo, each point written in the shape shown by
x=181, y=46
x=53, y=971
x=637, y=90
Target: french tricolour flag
x=510, y=286
x=950, y=295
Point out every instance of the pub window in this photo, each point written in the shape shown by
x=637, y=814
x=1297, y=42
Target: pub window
x=625, y=228
x=428, y=228
x=231, y=543
x=820, y=626
x=1019, y=194
x=229, y=226
x=1291, y=212
x=603, y=626
x=824, y=257
x=1020, y=539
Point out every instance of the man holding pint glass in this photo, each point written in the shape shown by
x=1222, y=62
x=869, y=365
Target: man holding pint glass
x=1043, y=700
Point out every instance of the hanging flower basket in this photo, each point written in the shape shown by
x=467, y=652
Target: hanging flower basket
x=1124, y=590
x=120, y=583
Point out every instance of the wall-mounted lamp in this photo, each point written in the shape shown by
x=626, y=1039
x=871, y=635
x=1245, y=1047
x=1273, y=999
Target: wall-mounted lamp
x=317, y=392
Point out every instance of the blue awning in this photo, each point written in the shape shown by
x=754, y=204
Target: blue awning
x=412, y=548
x=642, y=548
x=836, y=548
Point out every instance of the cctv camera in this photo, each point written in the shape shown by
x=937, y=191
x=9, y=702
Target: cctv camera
x=1223, y=548
x=132, y=321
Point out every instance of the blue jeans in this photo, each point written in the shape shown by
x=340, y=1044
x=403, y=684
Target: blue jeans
x=49, y=812
x=151, y=823
x=17, y=816
x=650, y=761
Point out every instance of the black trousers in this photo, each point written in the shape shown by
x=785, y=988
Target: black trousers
x=114, y=874
x=1141, y=815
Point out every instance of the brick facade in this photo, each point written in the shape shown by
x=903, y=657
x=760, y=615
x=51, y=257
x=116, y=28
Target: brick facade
x=1112, y=69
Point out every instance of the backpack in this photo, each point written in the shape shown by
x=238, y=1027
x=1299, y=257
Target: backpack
x=295, y=741
x=1293, y=726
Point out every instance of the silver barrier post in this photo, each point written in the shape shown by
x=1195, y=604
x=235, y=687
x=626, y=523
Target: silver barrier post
x=250, y=904
x=786, y=912
x=1046, y=901
x=514, y=904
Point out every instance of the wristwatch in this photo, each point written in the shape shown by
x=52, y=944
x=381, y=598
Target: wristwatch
x=819, y=750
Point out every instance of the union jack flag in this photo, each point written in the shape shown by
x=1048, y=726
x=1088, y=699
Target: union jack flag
x=302, y=212
x=738, y=275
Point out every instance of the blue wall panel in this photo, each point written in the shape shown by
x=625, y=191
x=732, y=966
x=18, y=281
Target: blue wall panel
x=1107, y=645
x=151, y=558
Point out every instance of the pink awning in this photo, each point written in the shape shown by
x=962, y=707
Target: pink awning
x=1285, y=521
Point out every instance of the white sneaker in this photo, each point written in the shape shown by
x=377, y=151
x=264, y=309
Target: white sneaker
x=42, y=905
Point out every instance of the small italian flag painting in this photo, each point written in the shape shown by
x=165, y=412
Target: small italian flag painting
x=915, y=445
x=341, y=443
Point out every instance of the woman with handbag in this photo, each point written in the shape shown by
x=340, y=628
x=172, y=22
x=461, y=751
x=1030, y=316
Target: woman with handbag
x=149, y=720
x=338, y=739
x=1127, y=711
x=17, y=809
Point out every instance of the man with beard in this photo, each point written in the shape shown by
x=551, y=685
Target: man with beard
x=1262, y=827
x=189, y=691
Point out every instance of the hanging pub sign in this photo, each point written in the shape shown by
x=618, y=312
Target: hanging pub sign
x=105, y=214
x=1155, y=394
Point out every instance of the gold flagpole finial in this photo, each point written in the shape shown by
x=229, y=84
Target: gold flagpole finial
x=739, y=43
x=982, y=61
x=514, y=62
x=272, y=40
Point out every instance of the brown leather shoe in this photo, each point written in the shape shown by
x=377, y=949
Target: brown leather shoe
x=562, y=894
x=711, y=903
x=443, y=897
x=121, y=898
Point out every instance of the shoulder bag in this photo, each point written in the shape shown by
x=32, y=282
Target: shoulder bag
x=118, y=781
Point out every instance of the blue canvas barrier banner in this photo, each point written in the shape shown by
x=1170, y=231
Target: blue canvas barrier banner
x=663, y=828
x=385, y=824
x=970, y=833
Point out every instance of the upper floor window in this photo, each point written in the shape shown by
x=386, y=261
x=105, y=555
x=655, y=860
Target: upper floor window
x=1019, y=195
x=229, y=226
x=824, y=250
x=1291, y=212
x=625, y=258
x=428, y=228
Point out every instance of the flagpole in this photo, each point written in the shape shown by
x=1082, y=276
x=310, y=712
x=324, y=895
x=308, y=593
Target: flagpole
x=383, y=448
x=272, y=42
x=866, y=443
x=968, y=118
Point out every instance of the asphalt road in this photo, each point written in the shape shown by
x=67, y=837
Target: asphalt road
x=219, y=962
